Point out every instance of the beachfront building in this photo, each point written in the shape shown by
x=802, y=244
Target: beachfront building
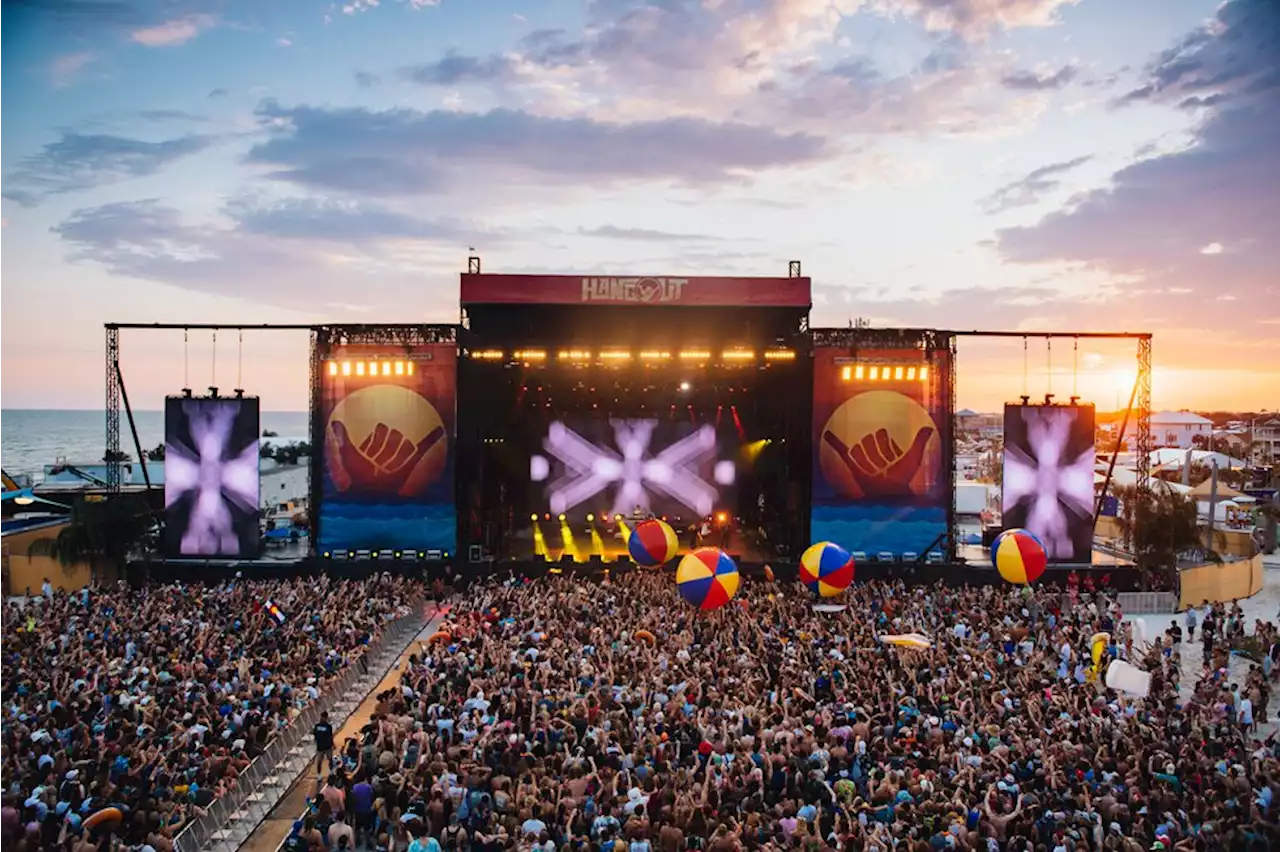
x=1266, y=442
x=1174, y=429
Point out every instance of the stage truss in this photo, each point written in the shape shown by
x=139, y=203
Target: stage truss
x=325, y=337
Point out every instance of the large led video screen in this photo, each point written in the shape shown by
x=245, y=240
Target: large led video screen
x=387, y=463
x=211, y=480
x=638, y=466
x=1049, y=465
x=880, y=425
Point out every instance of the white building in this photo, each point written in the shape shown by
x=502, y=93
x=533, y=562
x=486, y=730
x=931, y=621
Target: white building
x=1173, y=429
x=1266, y=438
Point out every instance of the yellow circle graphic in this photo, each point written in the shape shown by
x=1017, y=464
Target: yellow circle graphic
x=880, y=444
x=385, y=439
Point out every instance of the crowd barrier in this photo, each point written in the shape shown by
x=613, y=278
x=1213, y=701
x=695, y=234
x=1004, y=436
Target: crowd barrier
x=230, y=819
x=1147, y=603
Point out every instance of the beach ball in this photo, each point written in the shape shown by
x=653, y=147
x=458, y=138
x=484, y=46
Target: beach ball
x=1018, y=556
x=826, y=569
x=652, y=543
x=707, y=578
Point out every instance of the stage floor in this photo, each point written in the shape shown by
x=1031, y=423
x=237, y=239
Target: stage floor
x=609, y=546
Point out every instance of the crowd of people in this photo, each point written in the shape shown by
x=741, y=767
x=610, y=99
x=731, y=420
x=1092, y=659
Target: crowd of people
x=563, y=715
x=153, y=701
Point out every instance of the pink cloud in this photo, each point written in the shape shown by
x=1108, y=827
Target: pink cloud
x=173, y=33
x=64, y=68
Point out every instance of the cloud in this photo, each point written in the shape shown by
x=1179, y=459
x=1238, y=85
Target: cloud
x=1031, y=188
x=321, y=250
x=612, y=232
x=65, y=68
x=365, y=80
x=977, y=18
x=1211, y=249
x=217, y=94
x=175, y=32
x=409, y=152
x=456, y=69
x=1040, y=81
x=170, y=115
x=1150, y=222
x=80, y=161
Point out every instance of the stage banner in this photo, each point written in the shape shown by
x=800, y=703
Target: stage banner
x=387, y=462
x=1049, y=468
x=485, y=289
x=211, y=482
x=880, y=424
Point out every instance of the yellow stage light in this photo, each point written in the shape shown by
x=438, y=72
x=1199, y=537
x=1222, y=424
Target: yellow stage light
x=655, y=355
x=346, y=368
x=694, y=355
x=488, y=354
x=333, y=368
x=924, y=374
x=898, y=373
x=399, y=368
x=561, y=518
x=534, y=516
x=858, y=372
x=590, y=518
x=386, y=368
x=911, y=373
x=574, y=355
x=408, y=367
x=359, y=368
x=875, y=373
x=615, y=355
x=780, y=355
x=617, y=517
x=846, y=373
x=530, y=355
x=739, y=355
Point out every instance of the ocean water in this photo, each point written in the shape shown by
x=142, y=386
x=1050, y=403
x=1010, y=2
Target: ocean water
x=31, y=439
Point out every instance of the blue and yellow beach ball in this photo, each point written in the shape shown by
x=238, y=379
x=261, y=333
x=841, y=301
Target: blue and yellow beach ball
x=707, y=578
x=1019, y=556
x=652, y=543
x=826, y=569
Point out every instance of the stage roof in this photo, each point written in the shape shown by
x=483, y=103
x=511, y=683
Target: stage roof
x=639, y=290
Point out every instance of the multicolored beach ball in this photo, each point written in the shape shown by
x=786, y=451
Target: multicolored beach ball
x=652, y=543
x=707, y=578
x=1019, y=556
x=826, y=568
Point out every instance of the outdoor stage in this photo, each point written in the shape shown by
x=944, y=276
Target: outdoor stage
x=560, y=407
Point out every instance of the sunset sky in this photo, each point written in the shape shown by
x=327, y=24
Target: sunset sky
x=1011, y=164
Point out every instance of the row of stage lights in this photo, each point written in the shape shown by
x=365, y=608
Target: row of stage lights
x=623, y=356
x=721, y=517
x=883, y=373
x=361, y=369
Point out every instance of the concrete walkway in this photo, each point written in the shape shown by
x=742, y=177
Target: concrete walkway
x=273, y=830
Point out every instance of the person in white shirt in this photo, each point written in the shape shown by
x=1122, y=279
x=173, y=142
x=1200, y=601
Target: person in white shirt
x=1246, y=714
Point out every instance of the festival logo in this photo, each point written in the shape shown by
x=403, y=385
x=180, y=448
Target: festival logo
x=385, y=440
x=633, y=290
x=880, y=445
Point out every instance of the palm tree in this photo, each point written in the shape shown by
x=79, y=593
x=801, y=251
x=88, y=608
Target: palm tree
x=101, y=533
x=1157, y=525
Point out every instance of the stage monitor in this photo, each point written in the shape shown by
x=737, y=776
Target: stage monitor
x=881, y=423
x=211, y=483
x=1049, y=466
x=387, y=462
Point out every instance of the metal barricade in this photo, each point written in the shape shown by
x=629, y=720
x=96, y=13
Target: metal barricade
x=1147, y=603
x=231, y=818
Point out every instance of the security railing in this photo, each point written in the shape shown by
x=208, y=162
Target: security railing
x=231, y=818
